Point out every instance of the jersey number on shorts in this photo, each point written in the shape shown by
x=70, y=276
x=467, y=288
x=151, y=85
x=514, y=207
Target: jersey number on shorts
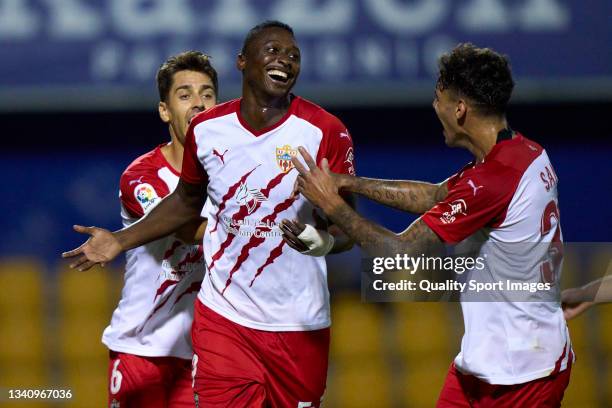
x=116, y=378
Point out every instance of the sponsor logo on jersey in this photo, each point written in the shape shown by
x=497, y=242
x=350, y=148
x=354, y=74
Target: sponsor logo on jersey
x=457, y=207
x=137, y=181
x=145, y=195
x=349, y=160
x=474, y=186
x=249, y=197
x=220, y=155
x=283, y=157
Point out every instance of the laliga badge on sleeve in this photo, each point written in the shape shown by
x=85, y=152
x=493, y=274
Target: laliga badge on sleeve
x=146, y=196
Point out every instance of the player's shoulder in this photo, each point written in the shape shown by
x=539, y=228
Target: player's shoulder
x=516, y=154
x=141, y=184
x=315, y=114
x=495, y=178
x=217, y=111
x=145, y=169
x=145, y=164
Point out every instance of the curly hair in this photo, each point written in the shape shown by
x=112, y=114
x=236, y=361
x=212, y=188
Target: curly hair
x=185, y=61
x=480, y=74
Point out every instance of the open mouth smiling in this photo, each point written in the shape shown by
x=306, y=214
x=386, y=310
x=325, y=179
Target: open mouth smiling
x=279, y=76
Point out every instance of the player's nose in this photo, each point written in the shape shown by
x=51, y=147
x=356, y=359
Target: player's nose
x=198, y=102
x=284, y=59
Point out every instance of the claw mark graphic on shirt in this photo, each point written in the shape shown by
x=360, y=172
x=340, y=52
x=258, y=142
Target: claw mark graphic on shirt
x=275, y=253
x=230, y=193
x=241, y=214
x=256, y=240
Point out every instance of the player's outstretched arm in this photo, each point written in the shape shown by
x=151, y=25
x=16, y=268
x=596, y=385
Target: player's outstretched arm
x=180, y=208
x=576, y=301
x=318, y=186
x=412, y=196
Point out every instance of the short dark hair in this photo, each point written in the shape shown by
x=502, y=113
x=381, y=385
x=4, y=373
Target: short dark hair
x=480, y=74
x=253, y=32
x=185, y=61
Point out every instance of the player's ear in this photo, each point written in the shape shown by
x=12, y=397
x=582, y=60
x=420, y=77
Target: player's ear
x=240, y=62
x=460, y=109
x=164, y=113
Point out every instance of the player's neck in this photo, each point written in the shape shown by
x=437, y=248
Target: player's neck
x=173, y=153
x=261, y=111
x=483, y=136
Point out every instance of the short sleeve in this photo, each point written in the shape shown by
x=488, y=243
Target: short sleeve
x=337, y=147
x=473, y=202
x=139, y=194
x=192, y=171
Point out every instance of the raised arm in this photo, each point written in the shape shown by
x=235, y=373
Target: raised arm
x=180, y=208
x=412, y=196
x=320, y=188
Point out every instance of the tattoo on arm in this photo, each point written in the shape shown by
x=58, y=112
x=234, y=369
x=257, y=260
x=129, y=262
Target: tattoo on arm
x=412, y=196
x=342, y=241
x=376, y=240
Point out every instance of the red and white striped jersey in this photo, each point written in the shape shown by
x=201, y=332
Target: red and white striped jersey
x=507, y=208
x=253, y=278
x=162, y=278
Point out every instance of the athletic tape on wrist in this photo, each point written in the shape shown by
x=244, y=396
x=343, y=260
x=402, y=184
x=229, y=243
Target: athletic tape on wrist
x=319, y=242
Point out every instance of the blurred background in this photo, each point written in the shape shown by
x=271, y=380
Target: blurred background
x=78, y=103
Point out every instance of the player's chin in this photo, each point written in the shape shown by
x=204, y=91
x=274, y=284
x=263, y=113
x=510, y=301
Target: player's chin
x=449, y=140
x=278, y=88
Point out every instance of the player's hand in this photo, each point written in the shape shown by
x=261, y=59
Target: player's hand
x=291, y=229
x=101, y=248
x=316, y=184
x=573, y=303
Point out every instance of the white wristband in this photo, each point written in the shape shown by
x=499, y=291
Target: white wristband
x=319, y=242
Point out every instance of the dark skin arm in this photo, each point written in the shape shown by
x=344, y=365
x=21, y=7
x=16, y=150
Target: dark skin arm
x=412, y=196
x=192, y=233
x=176, y=210
x=318, y=186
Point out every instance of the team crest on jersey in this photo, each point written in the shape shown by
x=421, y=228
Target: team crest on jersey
x=249, y=197
x=283, y=157
x=145, y=195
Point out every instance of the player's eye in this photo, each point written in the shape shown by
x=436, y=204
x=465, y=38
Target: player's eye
x=294, y=56
x=208, y=96
x=184, y=97
x=272, y=50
